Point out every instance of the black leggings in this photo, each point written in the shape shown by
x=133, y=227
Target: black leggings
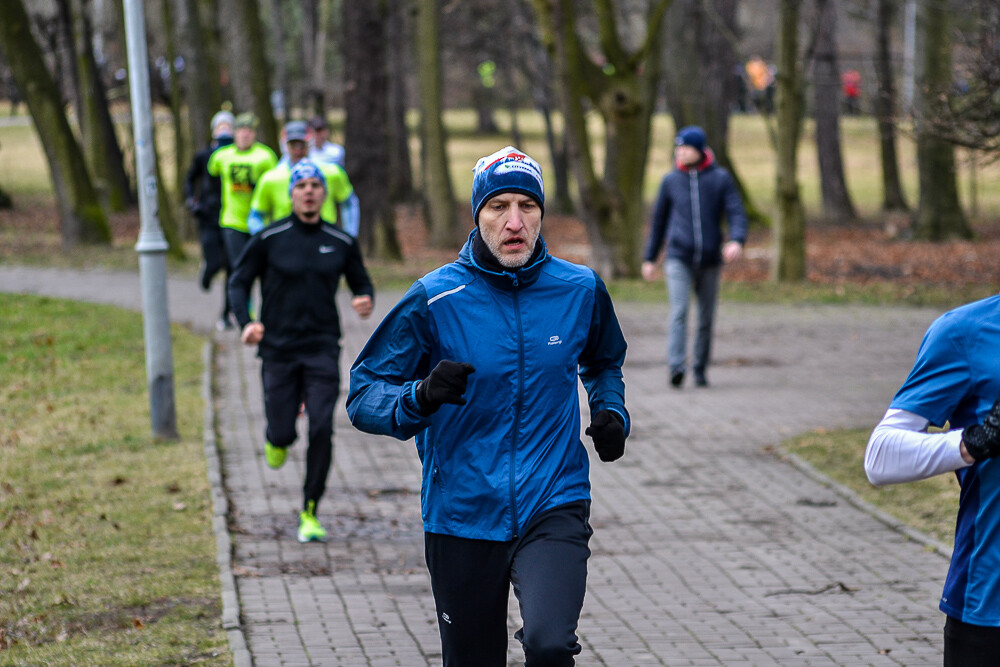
x=213, y=251
x=547, y=566
x=967, y=645
x=314, y=380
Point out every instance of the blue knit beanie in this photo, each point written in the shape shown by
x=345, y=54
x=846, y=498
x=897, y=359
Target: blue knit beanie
x=507, y=170
x=692, y=136
x=305, y=169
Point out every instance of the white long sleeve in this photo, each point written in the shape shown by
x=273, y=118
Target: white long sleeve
x=901, y=450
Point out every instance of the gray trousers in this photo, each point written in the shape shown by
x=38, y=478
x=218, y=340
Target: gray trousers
x=682, y=280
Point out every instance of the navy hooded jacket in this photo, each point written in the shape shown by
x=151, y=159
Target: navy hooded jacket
x=514, y=449
x=688, y=214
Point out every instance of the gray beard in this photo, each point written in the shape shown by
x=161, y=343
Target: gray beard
x=508, y=261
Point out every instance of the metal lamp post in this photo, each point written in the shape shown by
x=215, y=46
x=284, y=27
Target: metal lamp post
x=152, y=245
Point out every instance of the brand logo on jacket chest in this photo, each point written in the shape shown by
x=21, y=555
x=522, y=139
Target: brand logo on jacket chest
x=555, y=340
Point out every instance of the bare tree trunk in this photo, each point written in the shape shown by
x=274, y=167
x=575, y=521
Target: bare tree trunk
x=439, y=199
x=939, y=213
x=279, y=56
x=182, y=151
x=399, y=55
x=307, y=47
x=167, y=212
x=97, y=130
x=539, y=69
x=885, y=109
x=484, y=97
x=80, y=213
x=202, y=93
x=250, y=72
x=623, y=91
x=319, y=64
x=837, y=205
x=701, y=90
x=367, y=121
x=789, y=229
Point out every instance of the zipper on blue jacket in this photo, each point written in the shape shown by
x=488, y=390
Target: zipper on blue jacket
x=696, y=216
x=517, y=410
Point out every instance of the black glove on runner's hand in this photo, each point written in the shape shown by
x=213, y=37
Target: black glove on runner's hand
x=608, y=431
x=445, y=384
x=982, y=441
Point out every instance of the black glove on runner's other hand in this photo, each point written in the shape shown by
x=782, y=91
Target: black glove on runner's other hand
x=445, y=384
x=982, y=441
x=608, y=431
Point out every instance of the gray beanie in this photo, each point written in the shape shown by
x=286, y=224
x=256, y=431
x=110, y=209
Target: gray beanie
x=223, y=117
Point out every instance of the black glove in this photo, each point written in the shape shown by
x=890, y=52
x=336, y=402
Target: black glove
x=982, y=441
x=445, y=384
x=608, y=431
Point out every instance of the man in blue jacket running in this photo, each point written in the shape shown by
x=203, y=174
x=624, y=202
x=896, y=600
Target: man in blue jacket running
x=688, y=215
x=479, y=362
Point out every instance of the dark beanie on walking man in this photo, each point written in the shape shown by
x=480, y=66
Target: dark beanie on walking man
x=692, y=136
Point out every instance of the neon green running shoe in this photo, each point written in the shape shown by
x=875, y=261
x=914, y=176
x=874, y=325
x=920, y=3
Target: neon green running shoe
x=275, y=456
x=309, y=528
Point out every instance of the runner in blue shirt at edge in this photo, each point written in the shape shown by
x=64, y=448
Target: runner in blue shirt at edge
x=956, y=381
x=479, y=362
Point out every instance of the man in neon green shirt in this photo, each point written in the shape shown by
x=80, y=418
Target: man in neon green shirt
x=240, y=165
x=271, y=201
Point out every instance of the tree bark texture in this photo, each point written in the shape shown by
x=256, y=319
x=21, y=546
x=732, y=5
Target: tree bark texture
x=319, y=63
x=789, y=229
x=249, y=70
x=837, y=205
x=97, y=129
x=366, y=87
x=439, y=199
x=939, y=212
x=399, y=54
x=202, y=93
x=81, y=218
x=622, y=91
x=885, y=109
x=538, y=67
x=182, y=144
x=279, y=55
x=700, y=70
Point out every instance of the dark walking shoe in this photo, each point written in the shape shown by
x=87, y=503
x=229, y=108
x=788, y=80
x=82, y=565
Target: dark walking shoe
x=676, y=379
x=700, y=380
x=204, y=280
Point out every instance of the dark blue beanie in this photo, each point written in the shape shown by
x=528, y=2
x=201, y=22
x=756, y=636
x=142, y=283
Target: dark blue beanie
x=507, y=170
x=692, y=136
x=305, y=169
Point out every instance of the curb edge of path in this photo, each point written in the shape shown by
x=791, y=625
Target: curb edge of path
x=853, y=498
x=220, y=513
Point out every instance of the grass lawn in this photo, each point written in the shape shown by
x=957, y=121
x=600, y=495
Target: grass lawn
x=929, y=505
x=107, y=554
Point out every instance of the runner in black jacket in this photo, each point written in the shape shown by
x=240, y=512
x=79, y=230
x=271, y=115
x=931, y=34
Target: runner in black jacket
x=299, y=262
x=203, y=197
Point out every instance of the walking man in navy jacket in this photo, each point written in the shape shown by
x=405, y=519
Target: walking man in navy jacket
x=479, y=362
x=688, y=215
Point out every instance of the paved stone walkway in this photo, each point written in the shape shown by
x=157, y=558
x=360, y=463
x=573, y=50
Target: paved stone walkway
x=709, y=548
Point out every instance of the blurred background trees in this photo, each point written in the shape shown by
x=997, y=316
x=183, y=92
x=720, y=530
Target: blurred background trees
x=597, y=72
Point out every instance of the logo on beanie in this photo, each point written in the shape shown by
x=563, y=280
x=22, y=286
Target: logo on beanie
x=507, y=170
x=511, y=161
